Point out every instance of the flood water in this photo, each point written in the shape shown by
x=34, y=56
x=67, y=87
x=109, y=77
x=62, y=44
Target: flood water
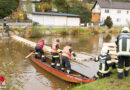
x=23, y=74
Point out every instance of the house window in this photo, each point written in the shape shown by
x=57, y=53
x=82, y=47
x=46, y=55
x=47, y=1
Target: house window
x=127, y=12
x=106, y=11
x=126, y=19
x=118, y=11
x=118, y=19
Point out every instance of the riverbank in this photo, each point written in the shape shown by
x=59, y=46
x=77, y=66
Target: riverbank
x=109, y=83
x=81, y=44
x=37, y=31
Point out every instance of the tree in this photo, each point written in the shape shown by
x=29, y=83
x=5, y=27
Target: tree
x=7, y=7
x=60, y=4
x=74, y=7
x=108, y=22
x=84, y=13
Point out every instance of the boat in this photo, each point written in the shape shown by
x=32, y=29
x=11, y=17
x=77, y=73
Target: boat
x=73, y=77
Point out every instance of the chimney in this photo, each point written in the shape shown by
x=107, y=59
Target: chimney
x=110, y=1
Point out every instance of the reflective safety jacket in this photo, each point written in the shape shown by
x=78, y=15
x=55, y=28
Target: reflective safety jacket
x=66, y=51
x=123, y=44
x=40, y=43
x=55, y=47
x=105, y=63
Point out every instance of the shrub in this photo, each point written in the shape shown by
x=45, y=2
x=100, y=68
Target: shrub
x=64, y=32
x=33, y=32
x=75, y=31
x=108, y=22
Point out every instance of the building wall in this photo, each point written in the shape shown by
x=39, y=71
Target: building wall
x=96, y=9
x=72, y=21
x=119, y=17
x=95, y=17
x=29, y=7
x=96, y=13
x=56, y=20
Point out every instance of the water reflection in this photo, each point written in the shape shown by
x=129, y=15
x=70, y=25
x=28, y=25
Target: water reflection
x=25, y=74
x=81, y=43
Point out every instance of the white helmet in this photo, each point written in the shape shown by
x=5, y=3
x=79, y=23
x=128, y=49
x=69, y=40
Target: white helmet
x=125, y=30
x=104, y=50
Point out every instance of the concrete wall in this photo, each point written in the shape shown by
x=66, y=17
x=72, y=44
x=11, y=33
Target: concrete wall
x=56, y=20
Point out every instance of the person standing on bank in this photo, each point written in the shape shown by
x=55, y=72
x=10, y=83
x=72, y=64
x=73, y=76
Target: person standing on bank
x=7, y=30
x=55, y=54
x=4, y=23
x=123, y=52
x=66, y=56
x=39, y=48
x=105, y=62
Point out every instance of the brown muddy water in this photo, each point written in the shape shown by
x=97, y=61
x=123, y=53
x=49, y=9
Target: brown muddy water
x=22, y=74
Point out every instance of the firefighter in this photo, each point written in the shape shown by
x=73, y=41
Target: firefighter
x=7, y=30
x=105, y=62
x=55, y=54
x=39, y=48
x=66, y=55
x=4, y=23
x=123, y=52
x=3, y=83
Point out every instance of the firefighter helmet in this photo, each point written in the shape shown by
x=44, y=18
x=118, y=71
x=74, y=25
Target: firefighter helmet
x=105, y=50
x=125, y=30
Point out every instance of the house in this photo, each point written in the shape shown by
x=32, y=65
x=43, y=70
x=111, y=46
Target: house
x=55, y=19
x=118, y=11
x=29, y=5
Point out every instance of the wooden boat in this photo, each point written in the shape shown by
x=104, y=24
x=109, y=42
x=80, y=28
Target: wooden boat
x=73, y=77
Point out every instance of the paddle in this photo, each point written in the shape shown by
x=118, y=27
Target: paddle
x=29, y=54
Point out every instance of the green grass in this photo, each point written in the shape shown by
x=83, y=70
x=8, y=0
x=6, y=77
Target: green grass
x=108, y=83
x=53, y=29
x=69, y=31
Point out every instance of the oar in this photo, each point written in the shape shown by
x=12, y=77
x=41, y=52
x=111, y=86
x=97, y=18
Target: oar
x=88, y=54
x=29, y=54
x=72, y=60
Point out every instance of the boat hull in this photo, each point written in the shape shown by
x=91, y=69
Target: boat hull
x=59, y=74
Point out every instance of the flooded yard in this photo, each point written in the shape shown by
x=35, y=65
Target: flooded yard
x=23, y=74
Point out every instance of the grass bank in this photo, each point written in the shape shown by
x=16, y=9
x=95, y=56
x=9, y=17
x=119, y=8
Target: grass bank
x=38, y=31
x=83, y=30
x=109, y=83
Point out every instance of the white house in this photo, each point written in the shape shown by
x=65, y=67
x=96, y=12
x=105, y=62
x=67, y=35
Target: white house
x=118, y=11
x=29, y=4
x=55, y=19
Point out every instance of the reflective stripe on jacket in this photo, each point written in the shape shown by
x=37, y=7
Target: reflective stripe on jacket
x=123, y=45
x=105, y=62
x=66, y=51
x=40, y=43
x=54, y=49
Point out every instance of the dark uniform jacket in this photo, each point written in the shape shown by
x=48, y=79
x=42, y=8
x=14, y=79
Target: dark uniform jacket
x=105, y=63
x=123, y=44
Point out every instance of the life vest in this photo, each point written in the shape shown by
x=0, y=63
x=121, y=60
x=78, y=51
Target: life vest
x=66, y=51
x=54, y=47
x=40, y=43
x=123, y=45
